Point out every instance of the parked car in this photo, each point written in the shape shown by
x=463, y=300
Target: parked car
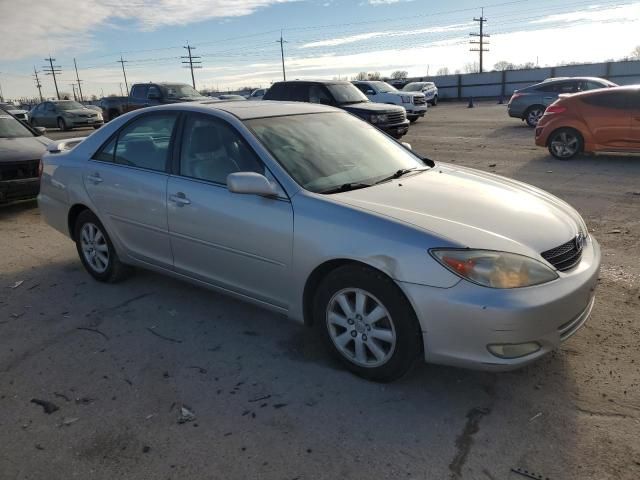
x=414, y=103
x=529, y=103
x=65, y=115
x=309, y=211
x=95, y=108
x=151, y=94
x=113, y=107
x=20, y=150
x=257, y=94
x=342, y=94
x=598, y=121
x=19, y=113
x=429, y=90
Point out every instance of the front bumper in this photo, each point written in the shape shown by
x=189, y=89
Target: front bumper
x=85, y=122
x=416, y=110
x=396, y=129
x=459, y=323
x=19, y=189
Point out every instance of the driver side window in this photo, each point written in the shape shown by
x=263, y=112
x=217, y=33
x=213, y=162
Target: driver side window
x=212, y=149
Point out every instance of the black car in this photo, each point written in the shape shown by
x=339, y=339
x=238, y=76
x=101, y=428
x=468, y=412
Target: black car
x=113, y=107
x=20, y=150
x=388, y=118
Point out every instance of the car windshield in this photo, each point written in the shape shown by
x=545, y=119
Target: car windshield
x=68, y=105
x=345, y=93
x=325, y=151
x=180, y=91
x=413, y=87
x=12, y=128
x=384, y=87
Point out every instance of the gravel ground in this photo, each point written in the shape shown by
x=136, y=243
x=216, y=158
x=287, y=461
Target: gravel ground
x=120, y=361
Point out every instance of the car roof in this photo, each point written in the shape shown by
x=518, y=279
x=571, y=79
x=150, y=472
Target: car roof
x=324, y=82
x=598, y=91
x=252, y=108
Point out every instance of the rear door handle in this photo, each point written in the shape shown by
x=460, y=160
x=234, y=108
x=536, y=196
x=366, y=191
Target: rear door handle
x=180, y=199
x=95, y=178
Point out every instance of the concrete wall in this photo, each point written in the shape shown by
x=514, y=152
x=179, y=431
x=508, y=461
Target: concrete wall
x=496, y=84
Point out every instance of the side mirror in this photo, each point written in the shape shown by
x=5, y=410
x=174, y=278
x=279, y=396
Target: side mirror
x=406, y=145
x=251, y=183
x=41, y=130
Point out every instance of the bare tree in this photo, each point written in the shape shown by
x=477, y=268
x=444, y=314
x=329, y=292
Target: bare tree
x=442, y=71
x=503, y=65
x=374, y=76
x=361, y=76
x=635, y=54
x=399, y=74
x=471, y=67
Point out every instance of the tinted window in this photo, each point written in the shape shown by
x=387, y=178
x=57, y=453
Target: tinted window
x=298, y=92
x=212, y=149
x=145, y=142
x=591, y=85
x=346, y=93
x=12, y=128
x=318, y=94
x=276, y=92
x=560, y=87
x=617, y=100
x=153, y=90
x=139, y=91
x=362, y=87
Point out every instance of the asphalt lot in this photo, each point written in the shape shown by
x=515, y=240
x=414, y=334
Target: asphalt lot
x=120, y=360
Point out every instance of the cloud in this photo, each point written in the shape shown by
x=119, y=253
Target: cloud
x=386, y=2
x=332, y=42
x=34, y=28
x=595, y=13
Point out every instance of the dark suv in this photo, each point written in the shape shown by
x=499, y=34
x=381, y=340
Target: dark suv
x=388, y=118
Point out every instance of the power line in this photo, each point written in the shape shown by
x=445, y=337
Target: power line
x=191, y=63
x=52, y=70
x=122, y=62
x=75, y=65
x=481, y=36
x=38, y=84
x=282, y=42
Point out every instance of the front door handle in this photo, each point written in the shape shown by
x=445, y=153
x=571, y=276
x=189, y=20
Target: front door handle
x=95, y=178
x=180, y=199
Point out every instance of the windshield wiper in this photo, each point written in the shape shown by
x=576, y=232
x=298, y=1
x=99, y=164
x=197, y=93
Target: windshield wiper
x=345, y=187
x=400, y=173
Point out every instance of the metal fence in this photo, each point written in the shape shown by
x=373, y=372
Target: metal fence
x=502, y=84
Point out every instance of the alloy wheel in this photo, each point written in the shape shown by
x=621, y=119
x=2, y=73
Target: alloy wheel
x=565, y=144
x=360, y=327
x=533, y=117
x=94, y=247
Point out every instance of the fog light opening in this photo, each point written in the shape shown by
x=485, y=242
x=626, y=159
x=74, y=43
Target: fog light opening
x=513, y=350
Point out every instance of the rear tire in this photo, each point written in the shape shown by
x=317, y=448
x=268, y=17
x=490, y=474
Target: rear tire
x=565, y=143
x=533, y=114
x=367, y=322
x=62, y=125
x=434, y=102
x=96, y=250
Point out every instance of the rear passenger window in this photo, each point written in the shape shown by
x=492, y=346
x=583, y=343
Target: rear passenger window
x=106, y=153
x=145, y=142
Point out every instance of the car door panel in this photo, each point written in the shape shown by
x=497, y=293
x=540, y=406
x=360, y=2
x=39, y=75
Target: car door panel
x=127, y=182
x=608, y=117
x=239, y=242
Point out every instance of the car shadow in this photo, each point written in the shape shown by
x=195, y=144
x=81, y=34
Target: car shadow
x=8, y=210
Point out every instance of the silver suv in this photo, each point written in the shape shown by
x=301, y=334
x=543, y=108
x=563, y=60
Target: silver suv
x=530, y=103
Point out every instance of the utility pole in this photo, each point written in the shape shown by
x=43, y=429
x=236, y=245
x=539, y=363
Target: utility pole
x=73, y=87
x=121, y=92
x=52, y=70
x=1, y=95
x=122, y=62
x=191, y=62
x=78, y=80
x=38, y=85
x=481, y=37
x=282, y=42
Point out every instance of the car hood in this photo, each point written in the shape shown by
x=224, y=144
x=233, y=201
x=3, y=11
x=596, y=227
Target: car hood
x=19, y=149
x=371, y=107
x=473, y=209
x=17, y=111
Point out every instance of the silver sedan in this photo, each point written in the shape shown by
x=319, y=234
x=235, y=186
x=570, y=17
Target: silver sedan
x=308, y=211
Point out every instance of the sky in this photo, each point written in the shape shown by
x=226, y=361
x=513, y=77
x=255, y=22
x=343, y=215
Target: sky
x=237, y=40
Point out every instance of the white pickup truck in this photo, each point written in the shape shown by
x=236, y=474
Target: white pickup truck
x=415, y=103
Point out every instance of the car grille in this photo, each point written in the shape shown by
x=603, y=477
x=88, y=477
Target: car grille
x=565, y=256
x=396, y=117
x=19, y=170
x=419, y=100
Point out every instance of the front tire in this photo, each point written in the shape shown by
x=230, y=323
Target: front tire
x=533, y=114
x=367, y=322
x=96, y=250
x=62, y=125
x=434, y=102
x=565, y=143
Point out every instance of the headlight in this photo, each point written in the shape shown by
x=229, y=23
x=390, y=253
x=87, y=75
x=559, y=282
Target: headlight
x=405, y=98
x=379, y=118
x=495, y=269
